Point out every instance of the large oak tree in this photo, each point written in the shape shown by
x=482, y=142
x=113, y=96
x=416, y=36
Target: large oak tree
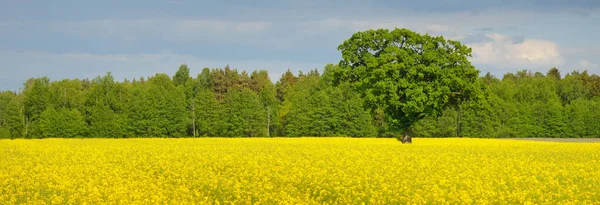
x=409, y=75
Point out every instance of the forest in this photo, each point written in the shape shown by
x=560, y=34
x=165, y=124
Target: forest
x=225, y=102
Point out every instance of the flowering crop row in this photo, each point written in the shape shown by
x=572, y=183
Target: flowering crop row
x=298, y=171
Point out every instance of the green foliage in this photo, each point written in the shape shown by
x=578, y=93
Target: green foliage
x=573, y=87
x=208, y=113
x=296, y=106
x=157, y=109
x=205, y=80
x=182, y=75
x=104, y=122
x=582, y=117
x=261, y=83
x=315, y=108
x=166, y=111
x=61, y=123
x=37, y=98
x=246, y=116
x=14, y=120
x=5, y=115
x=441, y=126
x=5, y=133
x=409, y=75
x=67, y=94
x=5, y=98
x=349, y=117
x=138, y=113
x=104, y=101
x=284, y=85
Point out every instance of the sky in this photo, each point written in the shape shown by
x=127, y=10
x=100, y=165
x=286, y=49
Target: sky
x=134, y=38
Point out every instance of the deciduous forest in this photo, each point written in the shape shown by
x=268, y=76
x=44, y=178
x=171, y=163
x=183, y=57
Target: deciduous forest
x=224, y=102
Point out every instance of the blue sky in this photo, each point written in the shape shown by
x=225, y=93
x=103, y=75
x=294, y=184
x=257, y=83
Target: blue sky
x=82, y=39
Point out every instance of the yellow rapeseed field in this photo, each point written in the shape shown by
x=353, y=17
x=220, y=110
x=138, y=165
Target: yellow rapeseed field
x=298, y=171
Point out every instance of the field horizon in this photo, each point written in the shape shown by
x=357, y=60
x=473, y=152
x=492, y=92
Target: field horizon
x=539, y=139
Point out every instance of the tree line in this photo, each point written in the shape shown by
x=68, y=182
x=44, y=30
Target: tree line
x=224, y=102
x=526, y=104
x=219, y=102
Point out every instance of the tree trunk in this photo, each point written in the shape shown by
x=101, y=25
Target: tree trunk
x=458, y=121
x=194, y=120
x=26, y=128
x=407, y=138
x=25, y=121
x=268, y=121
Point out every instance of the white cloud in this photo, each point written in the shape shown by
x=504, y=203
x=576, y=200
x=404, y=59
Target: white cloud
x=581, y=58
x=585, y=64
x=320, y=34
x=502, y=51
x=491, y=50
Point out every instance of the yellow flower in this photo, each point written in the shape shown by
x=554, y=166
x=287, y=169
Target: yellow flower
x=297, y=171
